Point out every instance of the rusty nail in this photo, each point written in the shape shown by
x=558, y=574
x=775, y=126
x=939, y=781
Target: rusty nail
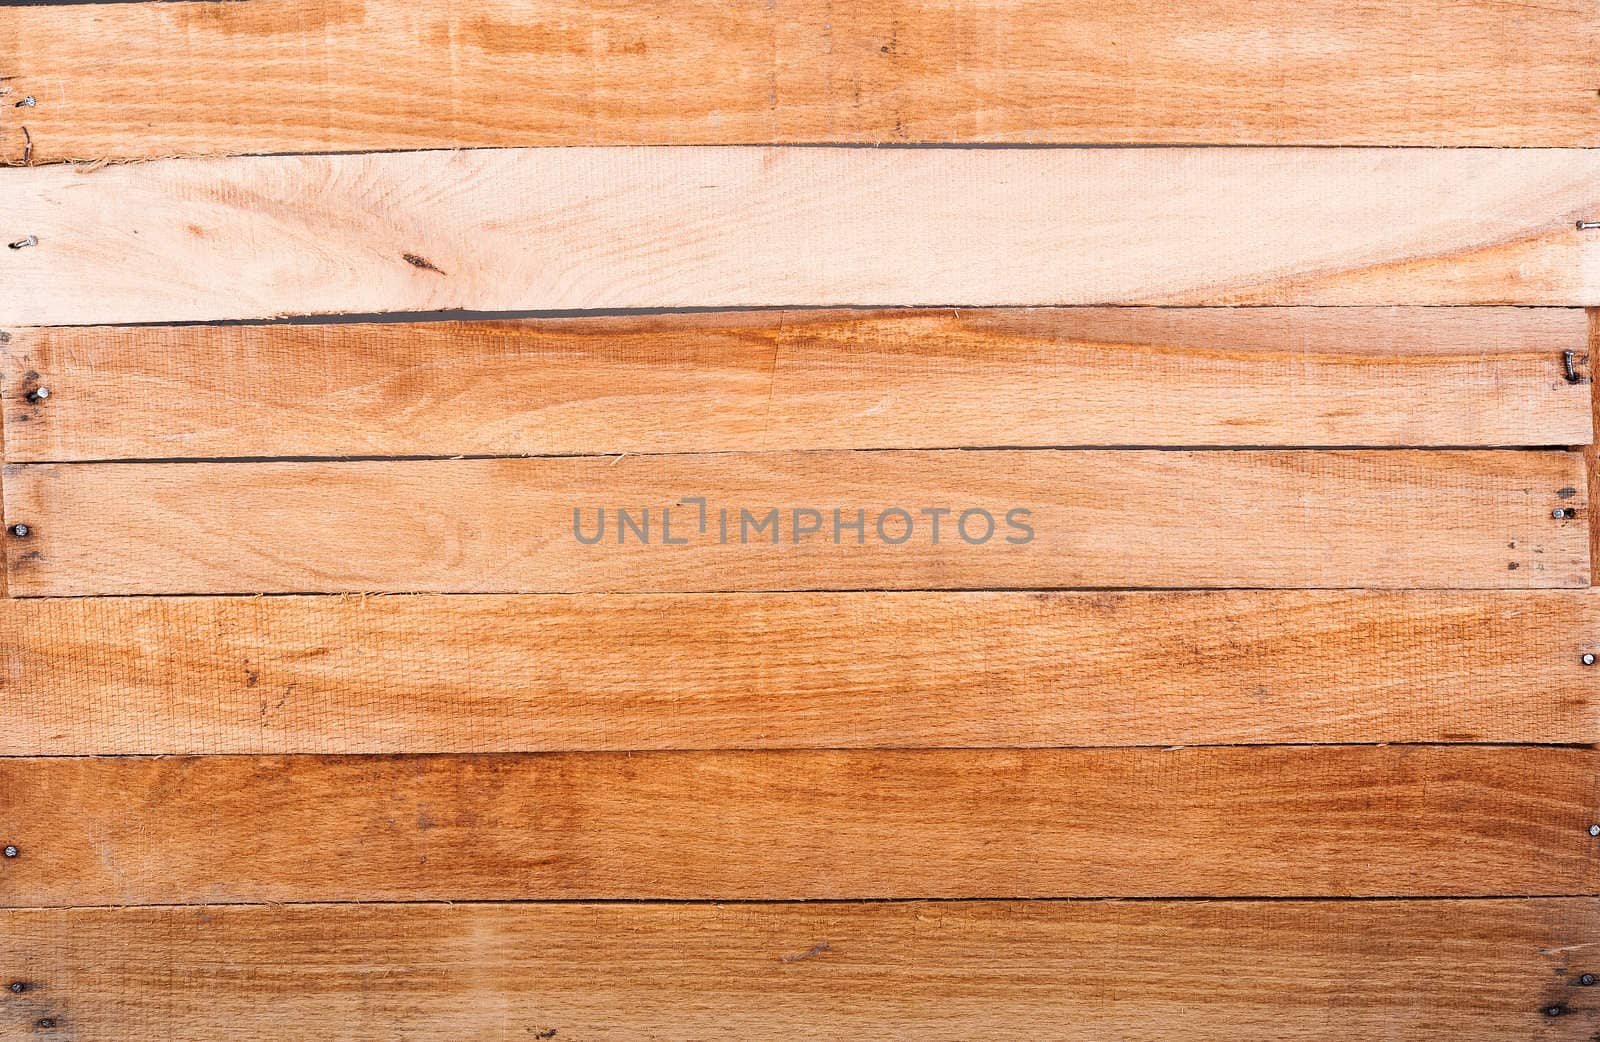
x=20, y=531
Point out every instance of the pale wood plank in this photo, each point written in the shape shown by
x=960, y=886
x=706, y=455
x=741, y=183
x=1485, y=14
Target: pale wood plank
x=803, y=379
x=1384, y=518
x=654, y=227
x=1079, y=971
x=1418, y=820
x=530, y=673
x=149, y=79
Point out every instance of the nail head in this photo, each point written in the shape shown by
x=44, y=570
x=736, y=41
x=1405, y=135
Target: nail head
x=1586, y=980
x=47, y=1022
x=1594, y=830
x=38, y=394
x=1588, y=658
x=1554, y=1011
x=28, y=102
x=17, y=987
x=10, y=851
x=20, y=531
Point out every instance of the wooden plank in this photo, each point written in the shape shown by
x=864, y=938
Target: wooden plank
x=528, y=673
x=150, y=79
x=1592, y=454
x=803, y=379
x=805, y=520
x=719, y=227
x=1073, y=971
x=1403, y=820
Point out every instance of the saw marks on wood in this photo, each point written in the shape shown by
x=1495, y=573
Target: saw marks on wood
x=1349, y=821
x=803, y=379
x=527, y=673
x=805, y=520
x=588, y=228
x=1062, y=971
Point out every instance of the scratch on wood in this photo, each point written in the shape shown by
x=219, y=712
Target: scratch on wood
x=811, y=952
x=1568, y=948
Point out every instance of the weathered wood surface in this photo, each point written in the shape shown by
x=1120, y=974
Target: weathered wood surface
x=568, y=228
x=150, y=79
x=1073, y=971
x=1382, y=518
x=528, y=673
x=803, y=379
x=1312, y=821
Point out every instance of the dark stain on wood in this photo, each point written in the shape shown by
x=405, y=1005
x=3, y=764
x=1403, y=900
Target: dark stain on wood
x=421, y=262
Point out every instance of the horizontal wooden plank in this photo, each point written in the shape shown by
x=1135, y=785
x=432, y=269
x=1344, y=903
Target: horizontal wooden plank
x=530, y=673
x=151, y=79
x=1216, y=971
x=1408, y=820
x=803, y=379
x=718, y=227
x=804, y=520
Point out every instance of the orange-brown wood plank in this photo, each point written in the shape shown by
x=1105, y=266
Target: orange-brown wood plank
x=1420, y=820
x=1064, y=971
x=606, y=228
x=803, y=379
x=150, y=79
x=1591, y=454
x=1382, y=518
x=687, y=671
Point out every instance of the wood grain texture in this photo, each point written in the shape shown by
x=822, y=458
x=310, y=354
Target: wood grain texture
x=805, y=520
x=1592, y=454
x=1065, y=971
x=803, y=379
x=152, y=79
x=568, y=228
x=1417, y=820
x=529, y=673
